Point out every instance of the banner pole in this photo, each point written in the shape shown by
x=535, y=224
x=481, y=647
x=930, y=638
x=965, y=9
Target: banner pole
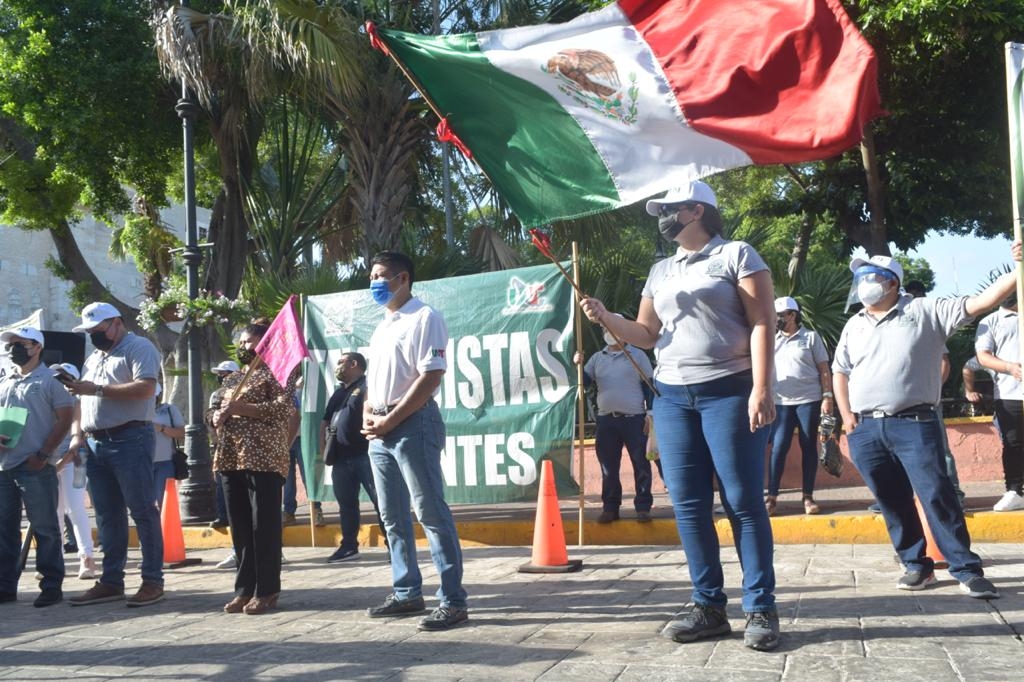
x=1015, y=99
x=580, y=404
x=302, y=446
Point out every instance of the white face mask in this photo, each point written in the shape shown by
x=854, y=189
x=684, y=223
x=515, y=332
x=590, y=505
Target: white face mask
x=870, y=293
x=609, y=339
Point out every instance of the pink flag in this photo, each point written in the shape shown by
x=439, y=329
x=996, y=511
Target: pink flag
x=283, y=346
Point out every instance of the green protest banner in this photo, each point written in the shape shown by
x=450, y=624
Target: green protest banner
x=508, y=396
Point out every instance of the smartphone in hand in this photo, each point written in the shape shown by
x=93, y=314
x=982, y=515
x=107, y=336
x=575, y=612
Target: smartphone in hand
x=63, y=376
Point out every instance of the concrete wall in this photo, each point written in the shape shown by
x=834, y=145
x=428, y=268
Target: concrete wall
x=972, y=440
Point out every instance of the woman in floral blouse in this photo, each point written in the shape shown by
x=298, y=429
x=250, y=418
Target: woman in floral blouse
x=253, y=425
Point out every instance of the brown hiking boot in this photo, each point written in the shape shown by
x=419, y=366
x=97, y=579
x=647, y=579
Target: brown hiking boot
x=98, y=594
x=149, y=593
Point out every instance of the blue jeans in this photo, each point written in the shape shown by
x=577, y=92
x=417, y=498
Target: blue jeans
x=161, y=472
x=347, y=474
x=612, y=434
x=120, y=474
x=804, y=417
x=703, y=429
x=407, y=472
x=901, y=456
x=290, y=483
x=38, y=491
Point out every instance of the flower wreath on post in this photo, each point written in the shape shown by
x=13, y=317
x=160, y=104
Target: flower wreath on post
x=174, y=304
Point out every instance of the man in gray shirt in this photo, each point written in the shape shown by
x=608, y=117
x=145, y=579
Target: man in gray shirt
x=117, y=408
x=887, y=384
x=27, y=473
x=622, y=402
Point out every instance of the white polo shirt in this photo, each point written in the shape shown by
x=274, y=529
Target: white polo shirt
x=997, y=334
x=797, y=379
x=406, y=344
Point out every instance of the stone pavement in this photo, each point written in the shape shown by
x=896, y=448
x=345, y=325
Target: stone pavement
x=841, y=616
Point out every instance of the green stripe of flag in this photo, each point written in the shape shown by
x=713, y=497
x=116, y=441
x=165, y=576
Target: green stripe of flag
x=516, y=131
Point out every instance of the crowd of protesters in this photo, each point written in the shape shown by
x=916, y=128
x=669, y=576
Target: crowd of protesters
x=735, y=374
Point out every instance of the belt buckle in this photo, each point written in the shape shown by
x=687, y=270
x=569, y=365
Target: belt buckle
x=878, y=414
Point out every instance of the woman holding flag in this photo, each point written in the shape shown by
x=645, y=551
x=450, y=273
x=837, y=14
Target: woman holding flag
x=253, y=426
x=708, y=313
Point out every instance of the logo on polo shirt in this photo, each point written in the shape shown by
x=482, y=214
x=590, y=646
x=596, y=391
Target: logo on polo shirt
x=524, y=297
x=437, y=352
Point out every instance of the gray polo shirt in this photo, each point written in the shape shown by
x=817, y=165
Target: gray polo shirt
x=132, y=359
x=997, y=334
x=797, y=380
x=618, y=385
x=42, y=396
x=704, y=331
x=893, y=363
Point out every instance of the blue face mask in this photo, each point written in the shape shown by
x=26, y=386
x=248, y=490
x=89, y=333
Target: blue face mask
x=382, y=295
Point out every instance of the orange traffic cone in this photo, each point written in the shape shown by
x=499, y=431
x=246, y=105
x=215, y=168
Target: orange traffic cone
x=931, y=548
x=549, y=553
x=170, y=525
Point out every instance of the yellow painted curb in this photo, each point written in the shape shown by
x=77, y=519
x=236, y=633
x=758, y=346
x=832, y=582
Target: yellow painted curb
x=791, y=530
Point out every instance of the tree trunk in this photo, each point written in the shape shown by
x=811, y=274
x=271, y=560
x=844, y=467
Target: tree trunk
x=801, y=246
x=877, y=242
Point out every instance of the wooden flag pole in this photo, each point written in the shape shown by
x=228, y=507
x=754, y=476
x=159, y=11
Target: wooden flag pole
x=580, y=398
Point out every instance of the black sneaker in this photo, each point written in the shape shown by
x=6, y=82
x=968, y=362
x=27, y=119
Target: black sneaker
x=48, y=597
x=915, y=580
x=444, y=617
x=874, y=508
x=979, y=587
x=699, y=622
x=8, y=597
x=343, y=554
x=762, y=631
x=393, y=606
x=607, y=516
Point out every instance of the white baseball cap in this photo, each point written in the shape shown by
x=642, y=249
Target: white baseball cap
x=693, y=191
x=95, y=313
x=30, y=333
x=67, y=367
x=226, y=367
x=786, y=303
x=890, y=264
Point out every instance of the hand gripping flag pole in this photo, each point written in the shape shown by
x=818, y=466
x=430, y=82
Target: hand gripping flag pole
x=543, y=243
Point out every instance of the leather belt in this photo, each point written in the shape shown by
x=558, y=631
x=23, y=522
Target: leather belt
x=114, y=430
x=382, y=411
x=914, y=412
x=620, y=414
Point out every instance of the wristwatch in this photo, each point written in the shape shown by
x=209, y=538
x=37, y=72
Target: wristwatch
x=99, y=391
x=827, y=394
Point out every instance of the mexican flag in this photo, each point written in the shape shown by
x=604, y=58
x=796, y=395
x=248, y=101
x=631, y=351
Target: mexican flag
x=617, y=105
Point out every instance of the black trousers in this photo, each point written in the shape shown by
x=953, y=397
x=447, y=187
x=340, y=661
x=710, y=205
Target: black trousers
x=1010, y=414
x=254, y=514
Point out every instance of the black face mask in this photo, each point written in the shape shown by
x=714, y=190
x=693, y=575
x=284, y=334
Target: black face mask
x=100, y=340
x=669, y=227
x=780, y=322
x=246, y=355
x=220, y=379
x=19, y=355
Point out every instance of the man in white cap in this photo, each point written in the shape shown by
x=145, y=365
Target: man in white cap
x=803, y=392
x=27, y=473
x=222, y=370
x=117, y=408
x=887, y=386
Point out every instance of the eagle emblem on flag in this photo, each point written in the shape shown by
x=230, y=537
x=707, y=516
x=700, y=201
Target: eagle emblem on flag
x=591, y=79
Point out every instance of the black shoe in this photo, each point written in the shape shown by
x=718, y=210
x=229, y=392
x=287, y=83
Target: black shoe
x=8, y=597
x=444, y=617
x=393, y=606
x=699, y=622
x=343, y=554
x=979, y=587
x=219, y=523
x=608, y=516
x=915, y=580
x=48, y=597
x=874, y=508
x=70, y=548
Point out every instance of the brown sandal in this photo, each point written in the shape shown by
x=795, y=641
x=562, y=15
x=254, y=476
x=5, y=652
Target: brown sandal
x=236, y=605
x=769, y=504
x=257, y=606
x=810, y=506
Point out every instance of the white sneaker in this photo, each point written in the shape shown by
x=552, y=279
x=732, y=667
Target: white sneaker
x=230, y=562
x=87, y=568
x=1011, y=501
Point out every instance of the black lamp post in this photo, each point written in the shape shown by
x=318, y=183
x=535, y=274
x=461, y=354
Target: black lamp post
x=197, y=491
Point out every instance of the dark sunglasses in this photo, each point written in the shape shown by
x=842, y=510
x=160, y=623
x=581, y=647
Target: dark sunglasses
x=672, y=209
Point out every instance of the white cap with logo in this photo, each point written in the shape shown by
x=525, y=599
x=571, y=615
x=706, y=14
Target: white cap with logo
x=890, y=264
x=30, y=333
x=95, y=313
x=693, y=191
x=226, y=367
x=786, y=303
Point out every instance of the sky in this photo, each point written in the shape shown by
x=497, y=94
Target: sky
x=961, y=264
